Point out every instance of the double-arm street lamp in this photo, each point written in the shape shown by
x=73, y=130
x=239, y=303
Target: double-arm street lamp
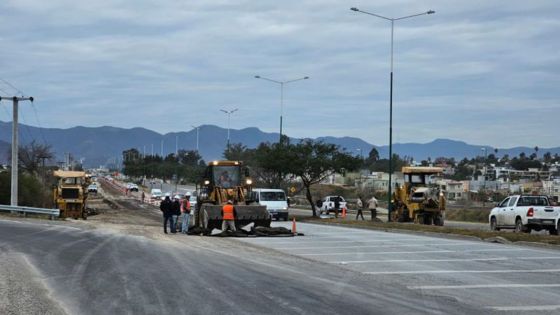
x=391, y=94
x=228, y=112
x=281, y=83
x=196, y=136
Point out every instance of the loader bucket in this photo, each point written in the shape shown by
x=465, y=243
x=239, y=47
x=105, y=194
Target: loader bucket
x=212, y=216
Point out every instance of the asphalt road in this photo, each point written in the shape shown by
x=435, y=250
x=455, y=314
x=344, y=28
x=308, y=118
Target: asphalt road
x=493, y=277
x=81, y=268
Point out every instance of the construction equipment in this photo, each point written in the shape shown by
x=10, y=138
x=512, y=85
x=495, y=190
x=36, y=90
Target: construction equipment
x=223, y=181
x=418, y=200
x=70, y=194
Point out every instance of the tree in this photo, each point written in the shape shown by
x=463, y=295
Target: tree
x=32, y=156
x=314, y=161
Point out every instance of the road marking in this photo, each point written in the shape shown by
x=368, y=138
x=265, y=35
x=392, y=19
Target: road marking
x=416, y=260
x=344, y=262
x=537, y=257
x=380, y=253
x=373, y=246
x=458, y=271
x=272, y=242
x=527, y=308
x=417, y=252
x=482, y=286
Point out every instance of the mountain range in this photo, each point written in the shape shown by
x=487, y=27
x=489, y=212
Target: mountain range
x=97, y=146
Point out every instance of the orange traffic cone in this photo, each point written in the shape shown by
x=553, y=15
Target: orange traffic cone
x=344, y=212
x=294, y=226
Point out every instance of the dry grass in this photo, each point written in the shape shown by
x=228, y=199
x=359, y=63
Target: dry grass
x=484, y=235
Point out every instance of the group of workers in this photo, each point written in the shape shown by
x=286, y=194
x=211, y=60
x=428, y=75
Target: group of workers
x=172, y=210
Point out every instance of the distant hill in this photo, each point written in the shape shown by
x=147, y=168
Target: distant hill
x=100, y=145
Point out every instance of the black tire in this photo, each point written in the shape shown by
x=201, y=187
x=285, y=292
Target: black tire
x=519, y=228
x=428, y=219
x=438, y=220
x=555, y=231
x=494, y=224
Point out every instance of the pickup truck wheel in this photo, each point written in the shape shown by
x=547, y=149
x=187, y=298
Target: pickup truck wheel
x=555, y=231
x=494, y=224
x=519, y=228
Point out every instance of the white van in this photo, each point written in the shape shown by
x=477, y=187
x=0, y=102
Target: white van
x=274, y=200
x=156, y=193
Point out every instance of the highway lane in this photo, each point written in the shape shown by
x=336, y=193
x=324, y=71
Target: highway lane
x=88, y=268
x=496, y=277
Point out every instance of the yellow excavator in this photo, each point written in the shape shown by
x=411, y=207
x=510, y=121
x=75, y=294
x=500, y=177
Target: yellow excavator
x=223, y=181
x=70, y=194
x=418, y=200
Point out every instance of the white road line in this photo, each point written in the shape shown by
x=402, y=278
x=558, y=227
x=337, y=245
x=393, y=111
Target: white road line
x=380, y=253
x=417, y=252
x=459, y=271
x=344, y=262
x=527, y=308
x=374, y=246
x=416, y=260
x=265, y=241
x=482, y=286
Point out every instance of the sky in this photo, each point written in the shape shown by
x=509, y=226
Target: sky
x=484, y=72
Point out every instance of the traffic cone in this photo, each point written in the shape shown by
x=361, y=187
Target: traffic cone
x=294, y=226
x=344, y=212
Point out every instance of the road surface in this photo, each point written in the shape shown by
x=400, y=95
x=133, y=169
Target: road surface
x=494, y=277
x=74, y=268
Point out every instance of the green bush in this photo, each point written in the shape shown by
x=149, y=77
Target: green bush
x=31, y=192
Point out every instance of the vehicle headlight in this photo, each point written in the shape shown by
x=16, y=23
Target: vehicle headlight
x=284, y=209
x=206, y=182
x=249, y=181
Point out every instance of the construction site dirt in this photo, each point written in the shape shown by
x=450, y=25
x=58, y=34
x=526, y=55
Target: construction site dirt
x=113, y=208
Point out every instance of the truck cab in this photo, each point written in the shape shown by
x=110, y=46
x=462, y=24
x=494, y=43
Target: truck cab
x=274, y=200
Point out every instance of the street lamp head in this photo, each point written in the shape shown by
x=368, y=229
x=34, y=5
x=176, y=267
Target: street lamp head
x=354, y=9
x=431, y=12
x=257, y=77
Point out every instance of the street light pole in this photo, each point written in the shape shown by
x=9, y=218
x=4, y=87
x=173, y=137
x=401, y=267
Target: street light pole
x=391, y=97
x=281, y=83
x=228, y=112
x=196, y=136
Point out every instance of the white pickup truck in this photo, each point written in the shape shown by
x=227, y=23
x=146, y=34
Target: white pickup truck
x=327, y=204
x=524, y=213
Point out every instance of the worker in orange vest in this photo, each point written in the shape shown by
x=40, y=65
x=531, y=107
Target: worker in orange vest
x=228, y=216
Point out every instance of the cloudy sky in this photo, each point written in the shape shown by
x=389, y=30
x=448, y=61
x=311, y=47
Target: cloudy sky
x=486, y=72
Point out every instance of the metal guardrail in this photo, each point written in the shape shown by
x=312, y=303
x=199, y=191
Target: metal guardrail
x=51, y=212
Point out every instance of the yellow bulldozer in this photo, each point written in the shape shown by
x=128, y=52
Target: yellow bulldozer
x=223, y=181
x=70, y=194
x=418, y=199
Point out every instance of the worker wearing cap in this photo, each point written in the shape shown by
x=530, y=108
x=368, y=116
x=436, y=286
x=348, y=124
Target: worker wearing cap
x=228, y=217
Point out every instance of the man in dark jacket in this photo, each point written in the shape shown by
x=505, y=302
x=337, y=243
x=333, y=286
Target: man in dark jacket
x=176, y=209
x=336, y=206
x=166, y=208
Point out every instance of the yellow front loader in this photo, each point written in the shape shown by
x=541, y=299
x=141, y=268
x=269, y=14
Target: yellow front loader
x=418, y=199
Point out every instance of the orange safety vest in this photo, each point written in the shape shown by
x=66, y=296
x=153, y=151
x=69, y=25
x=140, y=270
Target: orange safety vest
x=228, y=212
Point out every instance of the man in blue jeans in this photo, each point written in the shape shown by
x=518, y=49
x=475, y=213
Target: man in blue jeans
x=185, y=214
x=176, y=211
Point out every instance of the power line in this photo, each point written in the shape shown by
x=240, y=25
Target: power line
x=39, y=124
x=13, y=87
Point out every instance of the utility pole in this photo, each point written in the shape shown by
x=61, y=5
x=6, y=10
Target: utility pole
x=15, y=146
x=162, y=148
x=176, y=145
